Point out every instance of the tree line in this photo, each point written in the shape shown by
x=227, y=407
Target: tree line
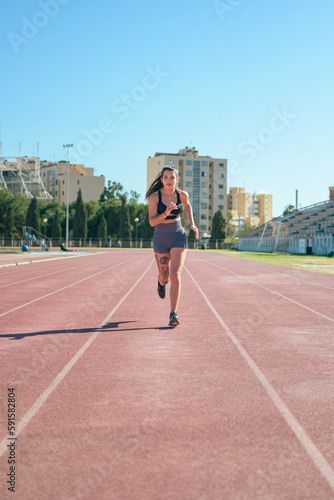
x=114, y=215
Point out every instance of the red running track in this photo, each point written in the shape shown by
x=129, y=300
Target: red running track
x=235, y=403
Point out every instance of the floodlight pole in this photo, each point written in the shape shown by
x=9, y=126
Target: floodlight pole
x=67, y=146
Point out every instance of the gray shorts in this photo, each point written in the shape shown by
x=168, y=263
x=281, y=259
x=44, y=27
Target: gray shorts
x=169, y=236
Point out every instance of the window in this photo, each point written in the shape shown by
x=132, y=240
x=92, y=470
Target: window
x=56, y=193
x=221, y=164
x=78, y=182
x=203, y=226
x=204, y=216
x=204, y=206
x=170, y=162
x=63, y=193
x=63, y=182
x=221, y=186
x=204, y=163
x=189, y=194
x=188, y=173
x=204, y=195
x=188, y=184
x=188, y=162
x=221, y=196
x=204, y=184
x=221, y=207
x=221, y=176
x=204, y=174
x=56, y=182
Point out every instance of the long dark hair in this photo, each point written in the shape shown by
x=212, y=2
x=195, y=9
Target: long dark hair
x=157, y=184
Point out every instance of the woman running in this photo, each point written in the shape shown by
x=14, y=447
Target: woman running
x=169, y=241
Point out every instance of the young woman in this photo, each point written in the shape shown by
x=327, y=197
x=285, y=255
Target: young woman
x=169, y=241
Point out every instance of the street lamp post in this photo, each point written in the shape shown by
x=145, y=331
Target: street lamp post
x=44, y=242
x=45, y=221
x=136, y=221
x=67, y=146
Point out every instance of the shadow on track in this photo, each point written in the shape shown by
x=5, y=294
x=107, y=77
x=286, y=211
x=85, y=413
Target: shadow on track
x=109, y=327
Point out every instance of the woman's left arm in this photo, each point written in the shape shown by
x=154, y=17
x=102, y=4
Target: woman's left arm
x=189, y=211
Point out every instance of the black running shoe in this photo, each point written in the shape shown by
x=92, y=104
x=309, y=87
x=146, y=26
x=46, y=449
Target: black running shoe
x=173, y=319
x=161, y=290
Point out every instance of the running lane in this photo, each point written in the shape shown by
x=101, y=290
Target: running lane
x=147, y=412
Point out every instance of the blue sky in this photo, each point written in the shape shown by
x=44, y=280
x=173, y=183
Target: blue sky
x=247, y=80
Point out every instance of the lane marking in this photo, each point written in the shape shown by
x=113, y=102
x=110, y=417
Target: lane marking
x=43, y=275
x=45, y=260
x=272, y=291
x=278, y=273
x=314, y=453
x=64, y=288
x=27, y=417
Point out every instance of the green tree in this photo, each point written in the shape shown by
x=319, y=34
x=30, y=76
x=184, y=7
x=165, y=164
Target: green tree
x=134, y=196
x=33, y=217
x=80, y=219
x=111, y=211
x=56, y=232
x=6, y=198
x=124, y=221
x=218, y=226
x=20, y=207
x=288, y=209
x=94, y=211
x=148, y=230
x=245, y=230
x=9, y=225
x=113, y=191
x=230, y=228
x=102, y=231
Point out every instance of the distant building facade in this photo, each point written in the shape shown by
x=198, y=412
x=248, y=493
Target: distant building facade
x=249, y=209
x=203, y=177
x=54, y=177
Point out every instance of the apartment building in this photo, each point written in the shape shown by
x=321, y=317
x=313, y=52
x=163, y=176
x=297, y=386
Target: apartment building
x=249, y=209
x=54, y=177
x=203, y=177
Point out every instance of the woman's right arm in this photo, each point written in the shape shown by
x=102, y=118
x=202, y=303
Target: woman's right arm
x=153, y=216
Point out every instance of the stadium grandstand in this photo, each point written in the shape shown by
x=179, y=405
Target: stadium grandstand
x=23, y=175
x=308, y=230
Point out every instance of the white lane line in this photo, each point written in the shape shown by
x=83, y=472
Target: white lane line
x=65, y=287
x=278, y=273
x=24, y=421
x=44, y=260
x=313, y=452
x=272, y=291
x=44, y=275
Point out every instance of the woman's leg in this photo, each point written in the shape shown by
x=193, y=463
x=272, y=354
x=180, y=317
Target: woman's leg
x=177, y=258
x=163, y=266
